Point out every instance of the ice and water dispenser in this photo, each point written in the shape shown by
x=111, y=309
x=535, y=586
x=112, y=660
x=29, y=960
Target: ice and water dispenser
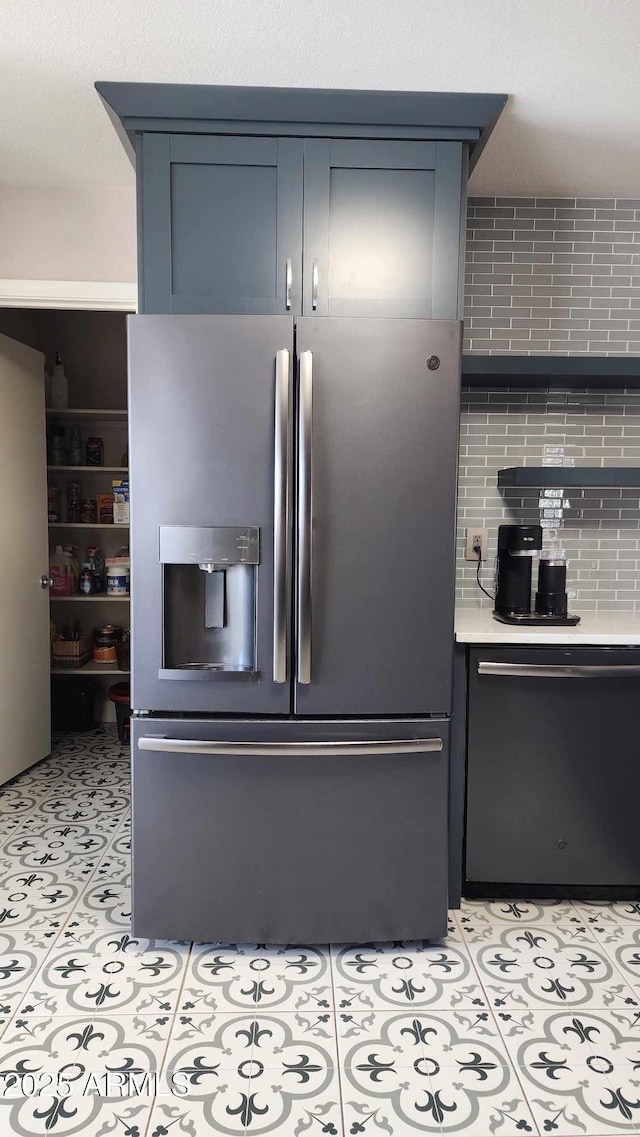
x=209, y=598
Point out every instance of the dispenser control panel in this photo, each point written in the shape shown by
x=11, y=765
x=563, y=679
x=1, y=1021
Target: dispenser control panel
x=215, y=545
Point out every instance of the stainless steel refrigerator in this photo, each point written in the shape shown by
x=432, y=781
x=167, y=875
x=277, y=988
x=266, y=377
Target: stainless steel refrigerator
x=293, y=511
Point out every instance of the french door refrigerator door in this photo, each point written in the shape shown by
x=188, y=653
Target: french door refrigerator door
x=378, y=411
x=289, y=831
x=210, y=463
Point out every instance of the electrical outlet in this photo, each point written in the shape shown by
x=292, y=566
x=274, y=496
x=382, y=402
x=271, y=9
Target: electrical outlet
x=476, y=535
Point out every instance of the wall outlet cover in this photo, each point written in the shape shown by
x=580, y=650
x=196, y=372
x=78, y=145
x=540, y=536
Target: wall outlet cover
x=477, y=535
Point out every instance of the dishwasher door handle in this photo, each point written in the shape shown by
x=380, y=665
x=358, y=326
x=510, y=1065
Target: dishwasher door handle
x=293, y=749
x=561, y=670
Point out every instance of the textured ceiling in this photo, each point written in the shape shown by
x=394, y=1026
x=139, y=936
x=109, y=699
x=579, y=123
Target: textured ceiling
x=571, y=67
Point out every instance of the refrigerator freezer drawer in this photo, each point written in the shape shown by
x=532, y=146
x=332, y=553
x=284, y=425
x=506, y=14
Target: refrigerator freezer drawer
x=289, y=832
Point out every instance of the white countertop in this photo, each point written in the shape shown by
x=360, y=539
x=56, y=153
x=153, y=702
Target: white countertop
x=477, y=626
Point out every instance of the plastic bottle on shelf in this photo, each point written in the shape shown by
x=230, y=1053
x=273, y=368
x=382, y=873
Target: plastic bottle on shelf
x=60, y=572
x=59, y=386
x=76, y=452
x=96, y=562
x=86, y=583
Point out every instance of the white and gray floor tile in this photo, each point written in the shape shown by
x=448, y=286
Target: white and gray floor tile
x=525, y=1019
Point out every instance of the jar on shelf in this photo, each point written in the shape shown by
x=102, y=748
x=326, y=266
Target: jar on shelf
x=95, y=452
x=89, y=511
x=53, y=504
x=74, y=502
x=75, y=446
x=57, y=445
x=123, y=651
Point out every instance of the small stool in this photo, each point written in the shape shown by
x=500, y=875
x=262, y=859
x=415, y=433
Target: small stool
x=119, y=695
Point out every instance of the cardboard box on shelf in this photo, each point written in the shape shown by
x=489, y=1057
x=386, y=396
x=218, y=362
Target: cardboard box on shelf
x=120, y=488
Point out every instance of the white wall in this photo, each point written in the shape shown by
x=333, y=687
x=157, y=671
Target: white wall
x=62, y=233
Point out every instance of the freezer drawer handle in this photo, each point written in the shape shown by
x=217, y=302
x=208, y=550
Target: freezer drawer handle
x=293, y=749
x=280, y=517
x=305, y=402
x=560, y=671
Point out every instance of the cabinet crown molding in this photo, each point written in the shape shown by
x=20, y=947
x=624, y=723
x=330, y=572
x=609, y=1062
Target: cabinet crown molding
x=195, y=108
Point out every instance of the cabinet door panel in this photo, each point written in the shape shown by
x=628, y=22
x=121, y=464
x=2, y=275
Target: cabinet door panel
x=375, y=218
x=221, y=218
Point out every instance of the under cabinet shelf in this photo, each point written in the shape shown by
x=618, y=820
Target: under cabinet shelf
x=569, y=477
x=119, y=414
x=88, y=469
x=98, y=598
x=88, y=525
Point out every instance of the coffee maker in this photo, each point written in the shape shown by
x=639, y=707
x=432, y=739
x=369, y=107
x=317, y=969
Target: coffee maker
x=518, y=545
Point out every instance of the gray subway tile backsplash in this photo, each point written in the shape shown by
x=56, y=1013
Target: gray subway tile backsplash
x=561, y=276
x=575, y=248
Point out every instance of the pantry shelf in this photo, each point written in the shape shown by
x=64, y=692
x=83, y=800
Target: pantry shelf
x=88, y=469
x=116, y=415
x=87, y=525
x=90, y=668
x=101, y=598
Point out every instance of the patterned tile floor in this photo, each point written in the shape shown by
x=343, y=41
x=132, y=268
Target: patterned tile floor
x=525, y=1020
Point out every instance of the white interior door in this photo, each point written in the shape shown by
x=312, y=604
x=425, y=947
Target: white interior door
x=25, y=712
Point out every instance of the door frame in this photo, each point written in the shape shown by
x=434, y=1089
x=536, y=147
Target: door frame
x=71, y=295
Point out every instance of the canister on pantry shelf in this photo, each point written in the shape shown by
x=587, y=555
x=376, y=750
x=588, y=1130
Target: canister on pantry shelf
x=118, y=575
x=105, y=642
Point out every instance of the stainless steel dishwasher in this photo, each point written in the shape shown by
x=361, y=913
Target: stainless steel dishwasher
x=553, y=771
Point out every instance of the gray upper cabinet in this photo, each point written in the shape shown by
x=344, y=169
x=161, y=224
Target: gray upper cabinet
x=380, y=221
x=221, y=224
x=326, y=227
x=277, y=200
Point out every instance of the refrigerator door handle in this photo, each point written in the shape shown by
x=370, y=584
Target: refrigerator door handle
x=305, y=405
x=294, y=749
x=280, y=516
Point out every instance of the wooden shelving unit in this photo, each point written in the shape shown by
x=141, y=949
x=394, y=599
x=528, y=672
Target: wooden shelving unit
x=100, y=414
x=87, y=469
x=87, y=415
x=90, y=668
x=87, y=525
x=100, y=598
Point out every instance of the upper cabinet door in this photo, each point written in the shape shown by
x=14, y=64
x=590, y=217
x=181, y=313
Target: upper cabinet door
x=380, y=221
x=221, y=227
